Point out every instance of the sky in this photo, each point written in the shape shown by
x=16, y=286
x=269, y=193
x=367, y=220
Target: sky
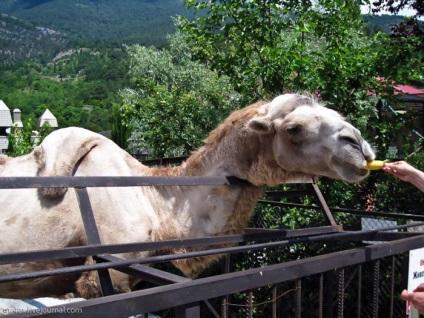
x=405, y=12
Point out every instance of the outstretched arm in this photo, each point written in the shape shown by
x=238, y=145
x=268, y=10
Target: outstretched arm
x=406, y=172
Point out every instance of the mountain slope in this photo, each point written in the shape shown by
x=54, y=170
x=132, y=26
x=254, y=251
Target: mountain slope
x=143, y=21
x=20, y=40
x=382, y=22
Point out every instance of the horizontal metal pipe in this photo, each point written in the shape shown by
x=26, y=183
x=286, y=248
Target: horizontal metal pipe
x=113, y=181
x=84, y=251
x=170, y=296
x=345, y=210
x=172, y=257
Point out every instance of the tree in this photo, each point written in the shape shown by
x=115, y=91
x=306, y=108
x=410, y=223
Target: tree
x=269, y=47
x=410, y=32
x=23, y=141
x=176, y=101
x=395, y=7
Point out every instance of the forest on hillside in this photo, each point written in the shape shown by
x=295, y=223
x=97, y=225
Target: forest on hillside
x=79, y=88
x=143, y=21
x=74, y=64
x=69, y=56
x=167, y=99
x=23, y=41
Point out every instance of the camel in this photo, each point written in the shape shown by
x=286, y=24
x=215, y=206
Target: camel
x=267, y=143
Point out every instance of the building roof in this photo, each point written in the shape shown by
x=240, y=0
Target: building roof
x=411, y=90
x=5, y=117
x=48, y=117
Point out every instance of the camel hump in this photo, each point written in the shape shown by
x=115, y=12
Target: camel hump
x=61, y=152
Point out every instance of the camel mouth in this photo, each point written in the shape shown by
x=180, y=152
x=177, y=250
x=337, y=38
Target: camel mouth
x=350, y=172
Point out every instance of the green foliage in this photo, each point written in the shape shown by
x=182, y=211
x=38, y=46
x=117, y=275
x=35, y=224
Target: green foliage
x=176, y=101
x=396, y=195
x=21, y=40
x=268, y=48
x=119, y=133
x=376, y=23
x=125, y=21
x=78, y=87
x=22, y=141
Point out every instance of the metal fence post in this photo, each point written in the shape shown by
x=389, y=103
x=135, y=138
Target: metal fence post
x=93, y=236
x=274, y=302
x=340, y=296
x=298, y=298
x=376, y=278
x=249, y=303
x=321, y=296
x=359, y=290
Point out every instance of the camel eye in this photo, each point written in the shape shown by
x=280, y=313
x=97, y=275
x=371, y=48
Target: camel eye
x=295, y=134
x=352, y=141
x=295, y=130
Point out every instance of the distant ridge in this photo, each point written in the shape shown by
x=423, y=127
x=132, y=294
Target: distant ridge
x=30, y=29
x=382, y=22
x=144, y=21
x=22, y=40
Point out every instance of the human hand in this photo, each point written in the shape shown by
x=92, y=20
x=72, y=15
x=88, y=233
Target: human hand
x=416, y=298
x=400, y=169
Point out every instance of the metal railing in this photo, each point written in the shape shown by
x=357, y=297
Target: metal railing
x=190, y=297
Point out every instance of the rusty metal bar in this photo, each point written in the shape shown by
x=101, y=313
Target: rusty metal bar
x=376, y=280
x=249, y=304
x=340, y=294
x=224, y=307
x=323, y=204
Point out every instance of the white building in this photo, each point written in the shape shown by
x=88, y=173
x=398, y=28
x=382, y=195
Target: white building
x=47, y=117
x=6, y=123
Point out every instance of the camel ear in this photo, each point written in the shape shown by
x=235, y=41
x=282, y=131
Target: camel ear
x=261, y=125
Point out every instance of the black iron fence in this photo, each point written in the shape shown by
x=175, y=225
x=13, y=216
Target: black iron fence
x=321, y=271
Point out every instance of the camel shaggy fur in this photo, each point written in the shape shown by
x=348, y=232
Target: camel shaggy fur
x=267, y=143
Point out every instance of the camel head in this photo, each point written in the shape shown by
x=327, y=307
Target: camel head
x=309, y=138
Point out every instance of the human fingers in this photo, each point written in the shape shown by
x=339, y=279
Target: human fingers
x=405, y=295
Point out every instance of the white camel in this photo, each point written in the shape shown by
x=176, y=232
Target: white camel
x=267, y=143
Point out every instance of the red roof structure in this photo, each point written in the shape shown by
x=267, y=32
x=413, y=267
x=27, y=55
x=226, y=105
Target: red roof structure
x=410, y=90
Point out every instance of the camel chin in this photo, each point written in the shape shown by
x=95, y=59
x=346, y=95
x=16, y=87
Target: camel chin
x=350, y=173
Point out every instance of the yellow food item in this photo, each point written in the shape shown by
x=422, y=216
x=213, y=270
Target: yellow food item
x=375, y=164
